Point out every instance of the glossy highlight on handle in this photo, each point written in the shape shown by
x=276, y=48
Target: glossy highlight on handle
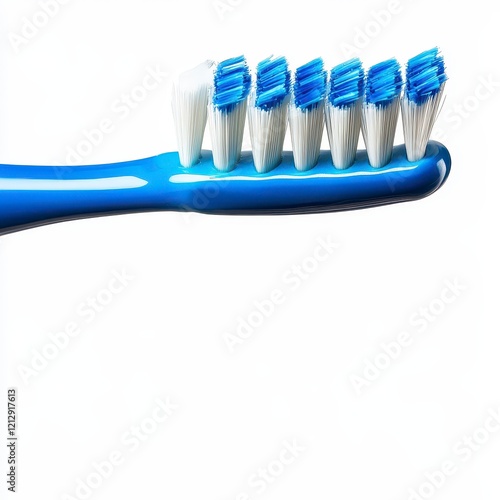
x=32, y=196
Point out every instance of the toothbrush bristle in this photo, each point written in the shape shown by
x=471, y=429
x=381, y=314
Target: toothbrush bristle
x=350, y=101
x=347, y=83
x=227, y=114
x=384, y=83
x=425, y=74
x=267, y=113
x=231, y=83
x=343, y=111
x=307, y=113
x=273, y=83
x=309, y=87
x=189, y=104
x=425, y=83
x=381, y=111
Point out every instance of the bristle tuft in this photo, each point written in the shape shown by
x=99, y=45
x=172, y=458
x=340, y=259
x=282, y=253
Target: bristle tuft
x=425, y=83
x=231, y=83
x=309, y=88
x=381, y=111
x=343, y=111
x=189, y=105
x=307, y=113
x=425, y=74
x=384, y=83
x=268, y=113
x=227, y=114
x=273, y=83
x=347, y=83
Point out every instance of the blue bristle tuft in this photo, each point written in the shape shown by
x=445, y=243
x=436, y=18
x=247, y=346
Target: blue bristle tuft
x=383, y=83
x=347, y=83
x=310, y=84
x=273, y=83
x=231, y=83
x=425, y=74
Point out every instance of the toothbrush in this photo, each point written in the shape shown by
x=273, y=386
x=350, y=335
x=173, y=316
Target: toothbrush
x=226, y=181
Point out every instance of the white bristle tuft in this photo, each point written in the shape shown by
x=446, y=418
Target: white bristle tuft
x=189, y=104
x=418, y=122
x=267, y=134
x=343, y=127
x=306, y=129
x=226, y=131
x=379, y=129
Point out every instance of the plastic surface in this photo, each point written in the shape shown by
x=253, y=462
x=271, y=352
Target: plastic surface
x=32, y=196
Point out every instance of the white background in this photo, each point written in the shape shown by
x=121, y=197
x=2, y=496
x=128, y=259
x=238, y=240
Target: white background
x=194, y=276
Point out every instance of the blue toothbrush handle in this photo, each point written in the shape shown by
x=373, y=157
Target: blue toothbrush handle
x=32, y=196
